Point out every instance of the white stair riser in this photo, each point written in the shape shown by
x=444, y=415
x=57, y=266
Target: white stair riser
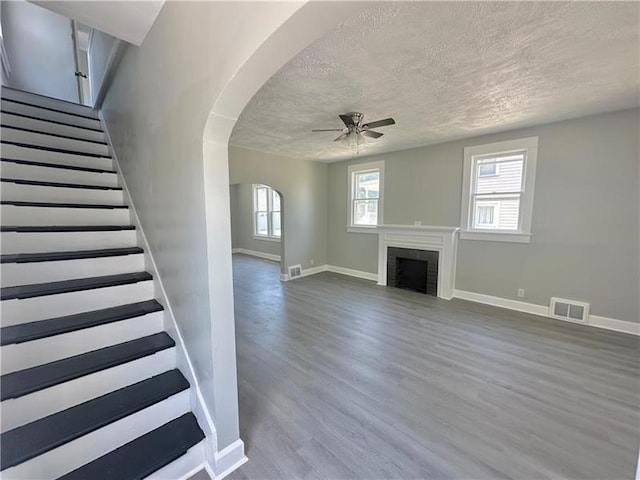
x=61, y=175
x=76, y=453
x=48, y=102
x=38, y=352
x=42, y=216
x=12, y=242
x=184, y=467
x=16, y=152
x=50, y=115
x=41, y=272
x=51, y=127
x=20, y=411
x=16, y=311
x=43, y=140
x=38, y=193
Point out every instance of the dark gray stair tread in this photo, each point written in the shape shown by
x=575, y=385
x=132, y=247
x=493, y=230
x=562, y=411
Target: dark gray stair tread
x=74, y=255
x=31, y=130
x=64, y=228
x=27, y=332
x=51, y=109
x=100, y=206
x=35, y=438
x=54, y=149
x=33, y=163
x=75, y=285
x=143, y=456
x=23, y=382
x=58, y=184
x=32, y=117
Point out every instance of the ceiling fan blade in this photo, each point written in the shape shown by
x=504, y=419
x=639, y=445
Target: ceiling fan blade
x=328, y=130
x=342, y=137
x=348, y=120
x=372, y=134
x=380, y=123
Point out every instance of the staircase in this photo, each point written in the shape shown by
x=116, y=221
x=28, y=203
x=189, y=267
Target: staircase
x=89, y=386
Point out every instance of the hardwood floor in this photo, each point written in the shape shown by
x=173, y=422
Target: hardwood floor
x=343, y=379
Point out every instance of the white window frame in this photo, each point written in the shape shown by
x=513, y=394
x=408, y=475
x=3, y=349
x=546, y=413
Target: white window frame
x=496, y=213
x=353, y=170
x=529, y=146
x=270, y=237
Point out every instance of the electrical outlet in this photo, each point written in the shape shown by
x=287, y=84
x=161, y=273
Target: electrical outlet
x=311, y=262
x=521, y=293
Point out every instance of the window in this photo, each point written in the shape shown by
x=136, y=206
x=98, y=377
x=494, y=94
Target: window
x=366, y=187
x=266, y=213
x=498, y=186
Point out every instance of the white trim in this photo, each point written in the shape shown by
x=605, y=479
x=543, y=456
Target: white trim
x=254, y=253
x=183, y=361
x=363, y=167
x=362, y=229
x=543, y=311
x=353, y=273
x=228, y=460
x=523, y=235
x=266, y=238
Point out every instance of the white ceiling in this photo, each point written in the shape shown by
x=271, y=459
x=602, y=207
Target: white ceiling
x=446, y=71
x=127, y=20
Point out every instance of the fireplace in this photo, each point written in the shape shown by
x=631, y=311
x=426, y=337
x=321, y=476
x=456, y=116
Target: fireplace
x=413, y=269
x=438, y=247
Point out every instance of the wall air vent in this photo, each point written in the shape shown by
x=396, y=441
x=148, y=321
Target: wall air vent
x=570, y=310
x=295, y=271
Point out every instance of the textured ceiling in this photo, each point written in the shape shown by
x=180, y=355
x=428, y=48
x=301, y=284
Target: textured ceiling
x=446, y=71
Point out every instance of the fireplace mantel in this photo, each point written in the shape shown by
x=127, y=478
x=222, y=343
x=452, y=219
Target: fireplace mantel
x=443, y=240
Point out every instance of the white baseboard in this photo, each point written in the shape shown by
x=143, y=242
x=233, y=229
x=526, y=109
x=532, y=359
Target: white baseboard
x=254, y=253
x=543, y=311
x=353, y=273
x=227, y=460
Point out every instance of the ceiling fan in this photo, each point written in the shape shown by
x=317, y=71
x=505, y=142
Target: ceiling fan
x=355, y=128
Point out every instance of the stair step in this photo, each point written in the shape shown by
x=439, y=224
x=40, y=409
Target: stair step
x=143, y=456
x=54, y=142
x=62, y=205
x=44, y=134
x=36, y=438
x=58, y=184
x=44, y=101
x=27, y=332
x=68, y=286
x=65, y=228
x=53, y=149
x=31, y=163
x=51, y=109
x=16, y=152
x=23, y=382
x=72, y=255
x=48, y=114
x=7, y=116
x=48, y=173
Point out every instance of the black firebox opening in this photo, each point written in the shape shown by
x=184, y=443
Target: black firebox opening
x=411, y=274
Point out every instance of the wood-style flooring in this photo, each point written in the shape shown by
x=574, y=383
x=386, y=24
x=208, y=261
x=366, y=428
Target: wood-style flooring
x=342, y=379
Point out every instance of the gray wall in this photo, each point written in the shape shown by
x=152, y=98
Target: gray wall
x=242, y=222
x=585, y=243
x=303, y=188
x=101, y=53
x=40, y=50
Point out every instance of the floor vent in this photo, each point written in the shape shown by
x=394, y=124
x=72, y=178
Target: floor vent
x=295, y=271
x=570, y=310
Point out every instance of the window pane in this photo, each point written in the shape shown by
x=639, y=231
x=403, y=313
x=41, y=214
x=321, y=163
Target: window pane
x=485, y=214
x=261, y=199
x=275, y=224
x=262, y=227
x=500, y=174
x=497, y=213
x=365, y=212
x=275, y=202
x=367, y=185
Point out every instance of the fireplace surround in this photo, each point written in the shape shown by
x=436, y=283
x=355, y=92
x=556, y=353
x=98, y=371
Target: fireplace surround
x=443, y=240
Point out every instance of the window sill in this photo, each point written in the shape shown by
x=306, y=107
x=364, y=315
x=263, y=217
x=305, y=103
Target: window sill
x=362, y=229
x=515, y=237
x=267, y=239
